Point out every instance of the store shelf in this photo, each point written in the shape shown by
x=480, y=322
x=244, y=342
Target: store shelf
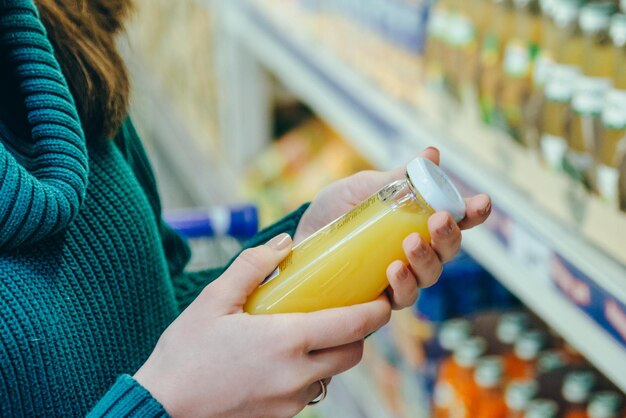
x=537, y=252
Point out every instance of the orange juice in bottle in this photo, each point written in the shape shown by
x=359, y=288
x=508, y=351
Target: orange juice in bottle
x=590, y=91
x=521, y=363
x=577, y=386
x=451, y=335
x=559, y=85
x=542, y=408
x=334, y=267
x=613, y=144
x=491, y=56
x=517, y=397
x=489, y=401
x=605, y=404
x=519, y=57
x=462, y=379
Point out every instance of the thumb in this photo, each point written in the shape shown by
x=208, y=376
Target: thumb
x=249, y=270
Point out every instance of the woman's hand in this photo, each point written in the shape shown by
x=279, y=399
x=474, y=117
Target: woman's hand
x=425, y=261
x=215, y=360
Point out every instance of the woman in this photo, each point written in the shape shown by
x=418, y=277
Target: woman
x=92, y=288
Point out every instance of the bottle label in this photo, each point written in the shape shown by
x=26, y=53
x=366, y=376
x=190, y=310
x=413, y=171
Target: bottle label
x=542, y=68
x=489, y=50
x=553, y=149
x=560, y=82
x=614, y=112
x=607, y=182
x=589, y=95
x=517, y=59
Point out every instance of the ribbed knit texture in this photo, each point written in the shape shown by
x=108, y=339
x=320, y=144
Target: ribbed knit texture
x=90, y=276
x=42, y=197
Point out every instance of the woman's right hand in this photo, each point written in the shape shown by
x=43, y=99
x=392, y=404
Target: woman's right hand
x=215, y=360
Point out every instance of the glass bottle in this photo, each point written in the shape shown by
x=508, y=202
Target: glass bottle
x=590, y=91
x=560, y=81
x=518, y=395
x=605, y=404
x=521, y=364
x=517, y=66
x=335, y=266
x=613, y=143
x=542, y=408
x=510, y=326
x=576, y=389
x=488, y=377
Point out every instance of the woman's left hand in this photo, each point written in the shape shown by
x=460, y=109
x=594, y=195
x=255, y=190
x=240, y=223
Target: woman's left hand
x=425, y=261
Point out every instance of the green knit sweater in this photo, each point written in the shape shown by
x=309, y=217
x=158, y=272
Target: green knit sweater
x=90, y=276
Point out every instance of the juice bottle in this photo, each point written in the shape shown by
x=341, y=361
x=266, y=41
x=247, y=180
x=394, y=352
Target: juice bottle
x=613, y=118
x=489, y=402
x=461, y=381
x=510, y=326
x=521, y=364
x=605, y=404
x=559, y=86
x=542, y=408
x=491, y=56
x=452, y=334
x=335, y=266
x=590, y=91
x=519, y=57
x=518, y=395
x=464, y=30
x=545, y=58
x=436, y=47
x=576, y=389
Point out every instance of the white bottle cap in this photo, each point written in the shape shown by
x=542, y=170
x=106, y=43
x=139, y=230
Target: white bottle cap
x=519, y=393
x=604, y=404
x=453, y=332
x=577, y=386
x=435, y=187
x=542, y=408
x=488, y=373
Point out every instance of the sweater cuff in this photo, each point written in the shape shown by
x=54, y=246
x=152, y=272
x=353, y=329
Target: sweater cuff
x=127, y=398
x=288, y=224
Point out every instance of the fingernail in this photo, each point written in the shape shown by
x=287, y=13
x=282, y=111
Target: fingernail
x=485, y=210
x=279, y=242
x=446, y=229
x=403, y=273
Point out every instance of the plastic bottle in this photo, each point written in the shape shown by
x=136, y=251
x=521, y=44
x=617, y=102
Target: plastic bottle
x=542, y=408
x=576, y=389
x=345, y=262
x=590, y=91
x=455, y=390
x=489, y=401
x=518, y=395
x=519, y=58
x=559, y=86
x=521, y=364
x=605, y=404
x=613, y=144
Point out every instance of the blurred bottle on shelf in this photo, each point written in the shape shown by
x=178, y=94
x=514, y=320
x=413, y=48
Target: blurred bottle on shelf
x=613, y=145
x=493, y=44
x=605, y=404
x=590, y=91
x=559, y=86
x=576, y=389
x=519, y=58
x=542, y=408
x=518, y=395
x=521, y=363
x=436, y=45
x=455, y=390
x=510, y=327
x=545, y=59
x=551, y=359
x=488, y=377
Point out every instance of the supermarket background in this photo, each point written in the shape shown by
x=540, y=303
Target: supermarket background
x=249, y=107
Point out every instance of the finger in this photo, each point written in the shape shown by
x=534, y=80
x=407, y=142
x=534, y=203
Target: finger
x=334, y=360
x=249, y=270
x=445, y=235
x=477, y=209
x=423, y=261
x=340, y=326
x=403, y=290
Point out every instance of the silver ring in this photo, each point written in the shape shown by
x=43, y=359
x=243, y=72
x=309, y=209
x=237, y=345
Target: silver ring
x=322, y=395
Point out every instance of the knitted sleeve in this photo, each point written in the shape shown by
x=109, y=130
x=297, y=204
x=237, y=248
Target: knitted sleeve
x=44, y=179
x=127, y=398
